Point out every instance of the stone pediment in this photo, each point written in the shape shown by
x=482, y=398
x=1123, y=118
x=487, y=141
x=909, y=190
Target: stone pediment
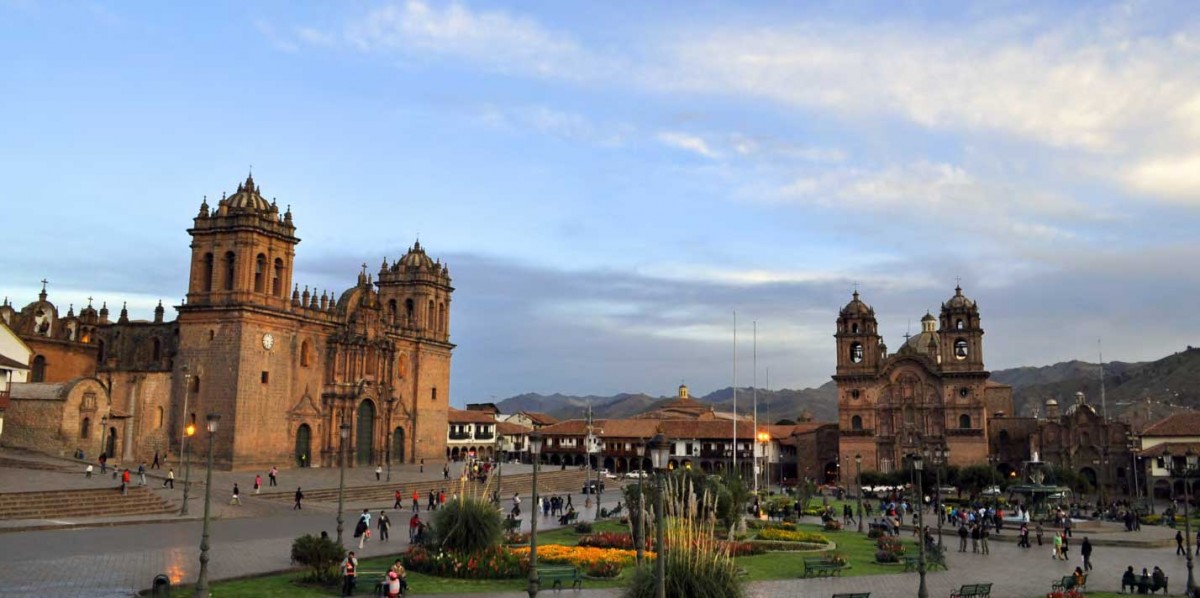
x=305, y=407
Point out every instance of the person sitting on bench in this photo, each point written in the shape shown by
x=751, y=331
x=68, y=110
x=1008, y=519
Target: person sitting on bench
x=1144, y=582
x=567, y=517
x=1129, y=578
x=1158, y=580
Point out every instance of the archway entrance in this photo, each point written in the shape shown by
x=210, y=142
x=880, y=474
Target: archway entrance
x=304, y=445
x=110, y=445
x=398, y=445
x=364, y=441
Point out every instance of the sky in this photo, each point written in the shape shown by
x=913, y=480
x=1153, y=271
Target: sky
x=611, y=182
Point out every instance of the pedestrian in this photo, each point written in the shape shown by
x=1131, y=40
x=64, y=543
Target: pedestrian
x=271, y=475
x=1023, y=541
x=1066, y=546
x=362, y=531
x=975, y=538
x=1039, y=532
x=385, y=526
x=103, y=463
x=446, y=471
x=170, y=481
x=1086, y=550
x=432, y=499
x=299, y=497
x=442, y=499
x=399, y=497
x=516, y=505
x=1179, y=544
x=378, y=472
x=413, y=524
x=124, y=481
x=156, y=464
x=237, y=499
x=1058, y=542
x=962, y=538
x=1067, y=526
x=984, y=532
x=142, y=473
x=87, y=471
x=422, y=466
x=349, y=574
x=257, y=482
x=416, y=500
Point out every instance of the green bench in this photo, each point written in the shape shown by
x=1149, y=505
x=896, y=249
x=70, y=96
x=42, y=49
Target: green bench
x=861, y=595
x=975, y=590
x=820, y=567
x=933, y=559
x=553, y=577
x=1068, y=582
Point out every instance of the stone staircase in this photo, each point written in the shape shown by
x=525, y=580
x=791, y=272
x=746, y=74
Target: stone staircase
x=99, y=502
x=35, y=465
x=549, y=482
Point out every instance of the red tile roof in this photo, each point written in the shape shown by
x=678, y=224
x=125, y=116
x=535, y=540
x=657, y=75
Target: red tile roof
x=512, y=428
x=1178, y=449
x=459, y=416
x=539, y=418
x=1186, y=423
x=647, y=428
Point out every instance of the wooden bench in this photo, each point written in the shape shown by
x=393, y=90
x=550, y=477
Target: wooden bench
x=975, y=590
x=555, y=576
x=820, y=567
x=860, y=595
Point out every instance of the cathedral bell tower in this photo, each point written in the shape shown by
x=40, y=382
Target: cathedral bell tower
x=242, y=252
x=415, y=292
x=860, y=348
x=960, y=334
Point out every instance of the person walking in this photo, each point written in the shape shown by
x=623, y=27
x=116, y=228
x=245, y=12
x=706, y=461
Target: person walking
x=984, y=532
x=1067, y=526
x=414, y=523
x=170, y=481
x=1086, y=550
x=257, y=482
x=416, y=500
x=446, y=471
x=299, y=497
x=87, y=472
x=237, y=498
x=142, y=473
x=378, y=472
x=1058, y=542
x=399, y=498
x=271, y=475
x=975, y=534
x=349, y=574
x=156, y=464
x=962, y=538
x=1179, y=544
x=124, y=481
x=385, y=526
x=1066, y=545
x=1039, y=532
x=362, y=531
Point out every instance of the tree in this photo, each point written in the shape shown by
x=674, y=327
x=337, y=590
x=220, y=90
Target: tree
x=974, y=478
x=321, y=555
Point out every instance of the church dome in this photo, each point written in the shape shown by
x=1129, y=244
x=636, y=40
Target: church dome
x=959, y=300
x=416, y=258
x=857, y=307
x=248, y=197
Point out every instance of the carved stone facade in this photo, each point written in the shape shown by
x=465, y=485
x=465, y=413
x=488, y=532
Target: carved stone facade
x=933, y=392
x=284, y=370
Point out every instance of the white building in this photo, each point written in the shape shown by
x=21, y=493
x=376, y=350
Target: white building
x=14, y=366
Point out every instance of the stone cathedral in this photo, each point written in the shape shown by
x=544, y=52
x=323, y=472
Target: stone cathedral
x=932, y=393
x=285, y=368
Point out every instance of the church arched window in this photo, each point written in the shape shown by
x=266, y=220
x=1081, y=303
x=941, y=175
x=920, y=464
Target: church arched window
x=856, y=352
x=441, y=317
x=260, y=273
x=304, y=354
x=277, y=278
x=429, y=315
x=960, y=349
x=85, y=427
x=208, y=273
x=856, y=423
x=38, y=373
x=958, y=324
x=964, y=422
x=230, y=262
x=409, y=308
x=854, y=328
x=155, y=349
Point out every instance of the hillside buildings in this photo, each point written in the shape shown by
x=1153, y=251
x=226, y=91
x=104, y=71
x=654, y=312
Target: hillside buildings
x=284, y=368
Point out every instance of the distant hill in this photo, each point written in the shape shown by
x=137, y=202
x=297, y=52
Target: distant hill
x=1171, y=383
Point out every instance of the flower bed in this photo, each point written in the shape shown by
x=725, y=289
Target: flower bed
x=596, y=562
x=772, y=546
x=493, y=563
x=784, y=535
x=512, y=538
x=744, y=548
x=758, y=524
x=608, y=540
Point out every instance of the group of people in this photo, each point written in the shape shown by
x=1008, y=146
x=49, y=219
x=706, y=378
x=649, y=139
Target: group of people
x=394, y=582
x=436, y=499
x=1146, y=583
x=362, y=530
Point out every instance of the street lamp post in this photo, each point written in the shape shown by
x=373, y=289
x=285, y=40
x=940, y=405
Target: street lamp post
x=993, y=461
x=344, y=432
x=202, y=579
x=639, y=532
x=660, y=452
x=188, y=432
x=535, y=451
x=1186, y=473
x=498, y=455
x=858, y=490
x=764, y=440
x=919, y=467
x=187, y=390
x=390, y=402
x=940, y=456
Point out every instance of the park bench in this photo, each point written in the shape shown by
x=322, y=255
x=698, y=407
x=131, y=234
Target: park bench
x=554, y=577
x=934, y=558
x=1153, y=589
x=974, y=590
x=1067, y=582
x=568, y=518
x=820, y=567
x=859, y=595
x=883, y=528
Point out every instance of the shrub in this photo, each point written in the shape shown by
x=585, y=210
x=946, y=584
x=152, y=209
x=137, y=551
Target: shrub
x=516, y=538
x=608, y=540
x=467, y=525
x=884, y=556
x=875, y=533
x=890, y=544
x=744, y=548
x=604, y=569
x=792, y=536
x=492, y=563
x=321, y=555
x=583, y=527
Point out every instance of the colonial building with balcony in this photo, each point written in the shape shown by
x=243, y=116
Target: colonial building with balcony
x=470, y=433
x=1175, y=435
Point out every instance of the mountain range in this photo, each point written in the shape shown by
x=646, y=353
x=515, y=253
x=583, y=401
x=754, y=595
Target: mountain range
x=1144, y=391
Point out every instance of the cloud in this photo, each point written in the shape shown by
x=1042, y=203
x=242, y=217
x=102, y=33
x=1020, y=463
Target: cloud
x=1176, y=178
x=562, y=124
x=280, y=41
x=687, y=142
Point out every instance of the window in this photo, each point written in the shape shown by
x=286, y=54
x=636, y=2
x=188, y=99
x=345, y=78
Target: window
x=277, y=279
x=856, y=423
x=856, y=352
x=260, y=274
x=441, y=317
x=266, y=376
x=433, y=394
x=89, y=400
x=230, y=262
x=958, y=324
x=429, y=316
x=100, y=354
x=207, y=282
x=964, y=422
x=196, y=384
x=960, y=349
x=304, y=354
x=392, y=310
x=160, y=417
x=854, y=328
x=212, y=334
x=155, y=349
x=38, y=374
x=85, y=427
x=855, y=394
x=408, y=311
x=964, y=392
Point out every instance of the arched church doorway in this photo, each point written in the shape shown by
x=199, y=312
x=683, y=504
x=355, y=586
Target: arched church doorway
x=364, y=441
x=304, y=446
x=398, y=445
x=110, y=445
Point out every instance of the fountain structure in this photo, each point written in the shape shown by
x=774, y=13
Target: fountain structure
x=1036, y=492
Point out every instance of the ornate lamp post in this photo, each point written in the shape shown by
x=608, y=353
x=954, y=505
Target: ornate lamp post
x=535, y=451
x=764, y=440
x=858, y=490
x=639, y=532
x=993, y=460
x=188, y=432
x=344, y=431
x=940, y=456
x=187, y=390
x=660, y=453
x=202, y=579
x=918, y=464
x=499, y=456
x=1185, y=472
x=390, y=401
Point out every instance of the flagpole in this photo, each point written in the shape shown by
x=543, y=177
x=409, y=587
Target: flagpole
x=734, y=420
x=754, y=400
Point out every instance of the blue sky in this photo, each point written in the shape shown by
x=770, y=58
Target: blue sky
x=609, y=182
